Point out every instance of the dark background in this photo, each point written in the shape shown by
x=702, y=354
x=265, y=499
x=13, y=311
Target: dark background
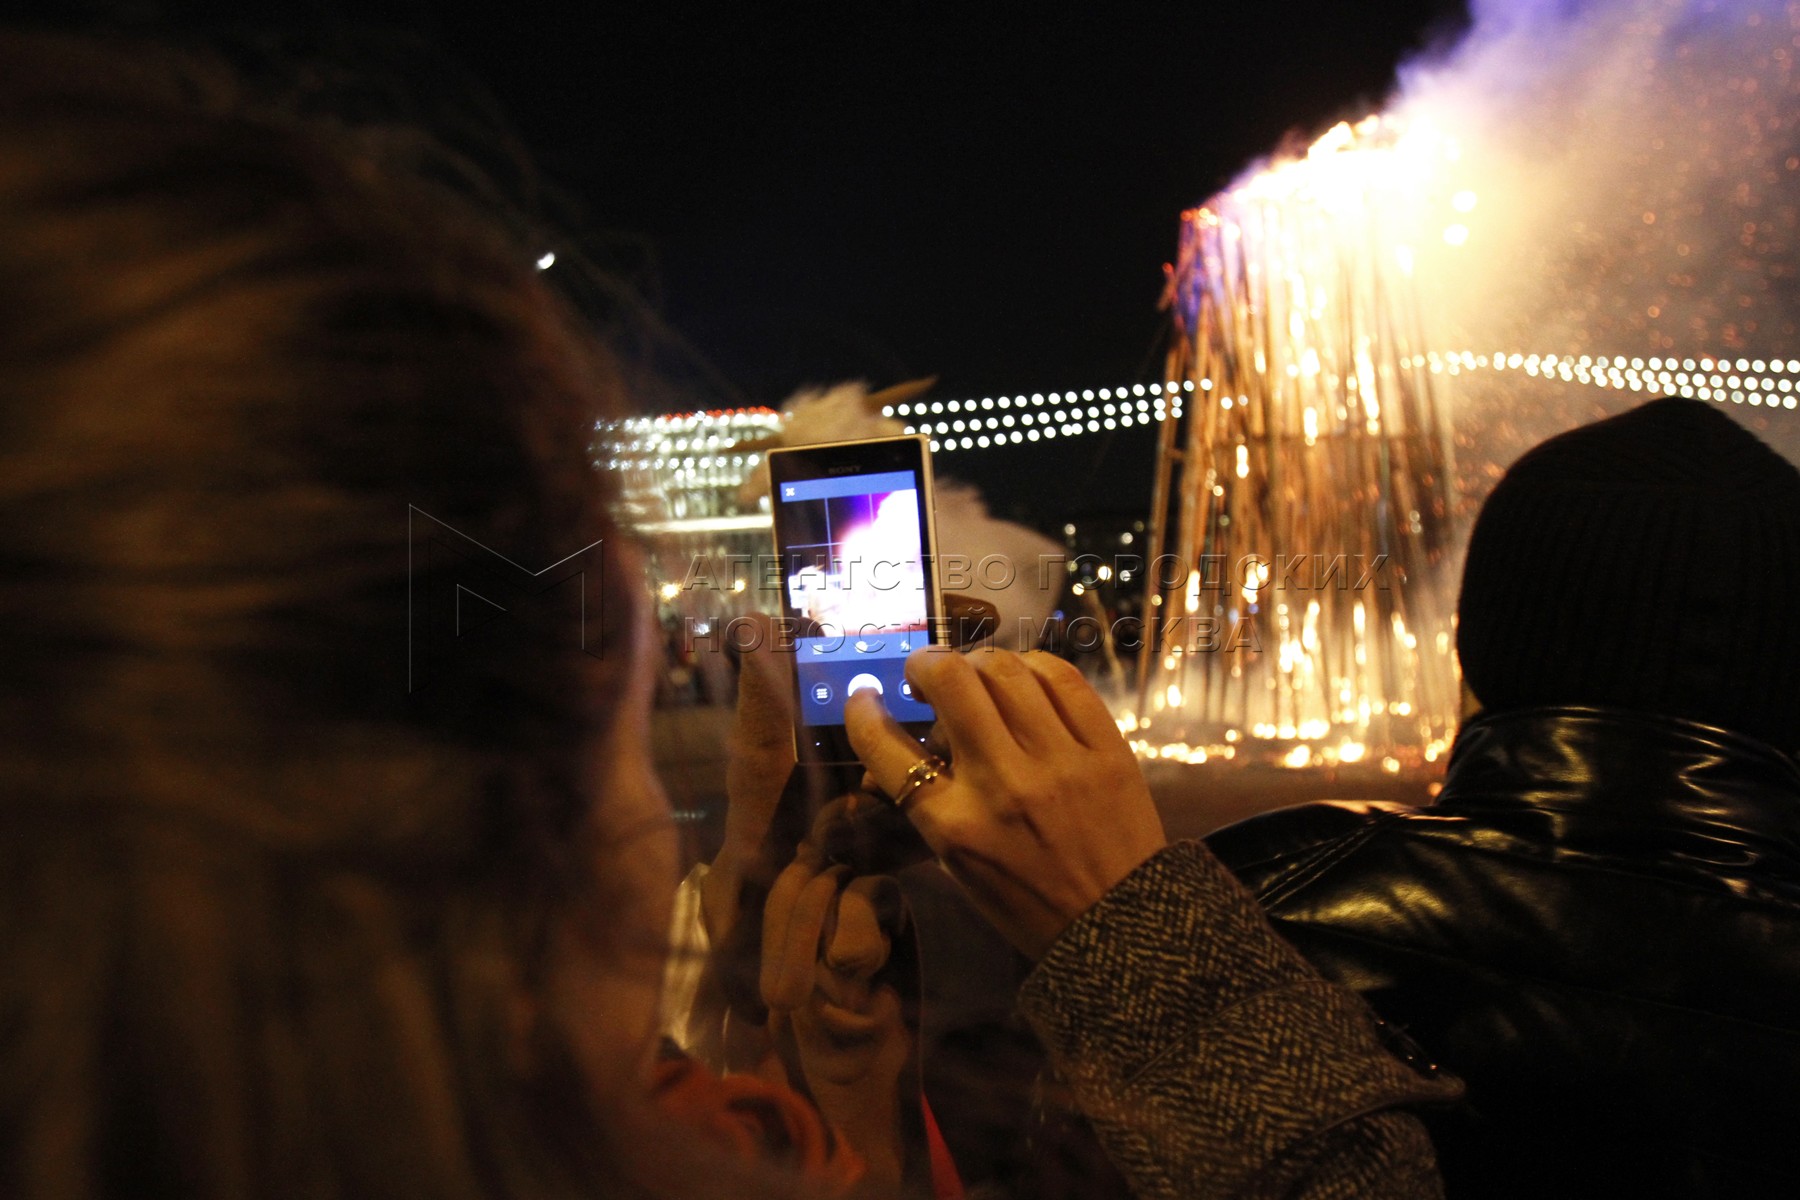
x=811, y=192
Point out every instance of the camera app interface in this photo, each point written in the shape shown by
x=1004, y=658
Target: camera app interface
x=855, y=579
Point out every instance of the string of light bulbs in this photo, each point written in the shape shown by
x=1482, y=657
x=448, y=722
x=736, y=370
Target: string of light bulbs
x=1013, y=420
x=1765, y=383
x=702, y=441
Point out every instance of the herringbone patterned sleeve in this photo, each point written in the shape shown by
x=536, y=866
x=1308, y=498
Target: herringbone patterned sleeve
x=1213, y=1061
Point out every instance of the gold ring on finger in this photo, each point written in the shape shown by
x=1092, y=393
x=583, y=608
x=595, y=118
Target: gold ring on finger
x=918, y=775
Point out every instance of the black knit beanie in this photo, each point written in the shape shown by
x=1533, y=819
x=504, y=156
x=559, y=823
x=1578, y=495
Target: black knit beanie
x=1650, y=561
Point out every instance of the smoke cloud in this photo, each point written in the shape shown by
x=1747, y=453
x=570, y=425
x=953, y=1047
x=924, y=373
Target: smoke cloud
x=1636, y=168
x=1627, y=179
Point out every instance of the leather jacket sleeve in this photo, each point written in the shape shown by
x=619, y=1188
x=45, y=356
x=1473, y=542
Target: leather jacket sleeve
x=1212, y=1060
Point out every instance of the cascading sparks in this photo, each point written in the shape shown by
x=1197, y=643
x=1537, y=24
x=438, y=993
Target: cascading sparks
x=1301, y=601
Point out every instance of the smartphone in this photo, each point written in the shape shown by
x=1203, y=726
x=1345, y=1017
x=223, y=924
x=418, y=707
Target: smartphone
x=856, y=548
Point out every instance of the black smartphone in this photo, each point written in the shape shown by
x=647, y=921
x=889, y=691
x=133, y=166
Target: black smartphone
x=856, y=544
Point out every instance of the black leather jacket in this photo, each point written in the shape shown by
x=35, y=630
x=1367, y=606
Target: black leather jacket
x=1597, y=926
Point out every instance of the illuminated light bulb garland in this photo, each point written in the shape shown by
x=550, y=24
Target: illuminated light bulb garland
x=695, y=441
x=1016, y=420
x=703, y=440
x=1765, y=383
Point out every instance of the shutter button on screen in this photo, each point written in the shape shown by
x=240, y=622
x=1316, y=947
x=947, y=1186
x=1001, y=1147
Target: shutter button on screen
x=859, y=682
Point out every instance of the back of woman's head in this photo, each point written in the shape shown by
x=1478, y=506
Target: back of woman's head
x=267, y=917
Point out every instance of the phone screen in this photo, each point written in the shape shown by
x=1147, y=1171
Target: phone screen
x=853, y=532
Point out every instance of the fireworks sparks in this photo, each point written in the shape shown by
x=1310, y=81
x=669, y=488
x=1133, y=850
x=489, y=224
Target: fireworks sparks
x=1318, y=468
x=1619, y=177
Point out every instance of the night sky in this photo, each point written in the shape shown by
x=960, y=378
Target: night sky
x=899, y=190
x=985, y=192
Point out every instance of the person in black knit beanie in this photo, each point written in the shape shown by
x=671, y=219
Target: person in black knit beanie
x=1593, y=925
x=1650, y=561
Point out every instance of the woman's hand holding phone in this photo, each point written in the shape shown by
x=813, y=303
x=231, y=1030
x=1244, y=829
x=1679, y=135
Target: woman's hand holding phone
x=760, y=748
x=1043, y=809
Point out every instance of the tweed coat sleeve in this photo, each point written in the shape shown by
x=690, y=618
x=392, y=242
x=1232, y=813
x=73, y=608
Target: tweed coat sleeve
x=1212, y=1060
